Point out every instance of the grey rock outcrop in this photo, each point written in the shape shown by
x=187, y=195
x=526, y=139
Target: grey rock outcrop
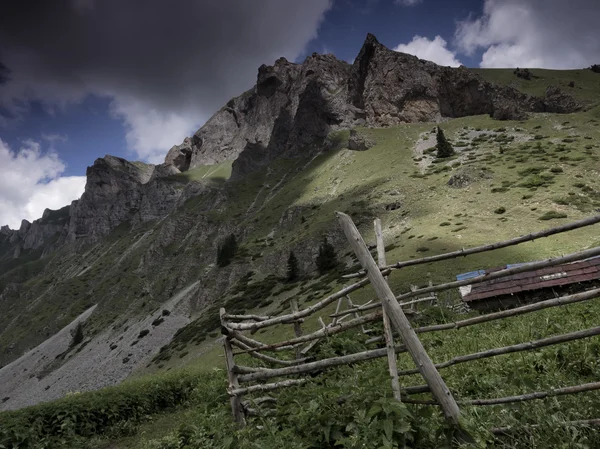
x=560, y=102
x=293, y=107
x=359, y=142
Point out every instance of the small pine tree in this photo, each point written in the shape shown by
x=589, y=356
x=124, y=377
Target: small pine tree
x=77, y=335
x=292, y=267
x=444, y=149
x=226, y=251
x=327, y=259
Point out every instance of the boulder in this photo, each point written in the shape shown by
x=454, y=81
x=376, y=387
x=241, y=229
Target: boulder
x=359, y=142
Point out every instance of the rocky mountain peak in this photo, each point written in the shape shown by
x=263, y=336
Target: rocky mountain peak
x=293, y=107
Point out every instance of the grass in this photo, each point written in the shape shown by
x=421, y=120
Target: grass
x=295, y=200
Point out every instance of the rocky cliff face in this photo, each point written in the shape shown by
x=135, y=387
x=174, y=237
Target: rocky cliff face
x=293, y=107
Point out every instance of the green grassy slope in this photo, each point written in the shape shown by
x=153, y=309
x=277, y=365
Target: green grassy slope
x=549, y=163
x=587, y=83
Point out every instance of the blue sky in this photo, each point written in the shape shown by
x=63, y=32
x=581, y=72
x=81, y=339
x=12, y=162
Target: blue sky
x=131, y=78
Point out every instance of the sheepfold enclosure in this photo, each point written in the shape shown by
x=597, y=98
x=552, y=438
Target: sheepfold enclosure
x=398, y=334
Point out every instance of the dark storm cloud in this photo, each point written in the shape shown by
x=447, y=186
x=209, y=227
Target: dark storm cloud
x=165, y=63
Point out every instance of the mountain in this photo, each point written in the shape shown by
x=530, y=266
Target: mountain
x=133, y=259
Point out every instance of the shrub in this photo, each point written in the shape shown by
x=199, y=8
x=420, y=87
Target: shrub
x=552, y=214
x=444, y=149
x=143, y=333
x=226, y=251
x=500, y=210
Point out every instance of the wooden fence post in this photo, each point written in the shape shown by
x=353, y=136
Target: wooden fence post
x=436, y=384
x=297, y=325
x=236, y=404
x=387, y=329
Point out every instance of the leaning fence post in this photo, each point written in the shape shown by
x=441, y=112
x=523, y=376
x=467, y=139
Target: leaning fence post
x=414, y=346
x=387, y=329
x=236, y=404
x=297, y=325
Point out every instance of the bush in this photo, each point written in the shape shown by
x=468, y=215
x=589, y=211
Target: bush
x=55, y=424
x=550, y=215
x=226, y=251
x=326, y=259
x=500, y=210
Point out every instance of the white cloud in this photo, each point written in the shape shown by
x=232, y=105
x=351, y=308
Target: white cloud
x=407, y=2
x=551, y=34
x=433, y=50
x=31, y=181
x=150, y=131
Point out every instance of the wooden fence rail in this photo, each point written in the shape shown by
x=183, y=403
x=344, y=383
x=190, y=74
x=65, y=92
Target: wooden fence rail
x=395, y=322
x=480, y=249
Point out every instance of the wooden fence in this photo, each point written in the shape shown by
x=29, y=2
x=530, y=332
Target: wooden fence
x=390, y=308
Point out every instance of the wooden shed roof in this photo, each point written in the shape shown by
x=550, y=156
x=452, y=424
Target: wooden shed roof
x=584, y=270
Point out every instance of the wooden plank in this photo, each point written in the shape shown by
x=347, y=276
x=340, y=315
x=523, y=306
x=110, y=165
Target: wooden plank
x=387, y=327
x=236, y=405
x=438, y=388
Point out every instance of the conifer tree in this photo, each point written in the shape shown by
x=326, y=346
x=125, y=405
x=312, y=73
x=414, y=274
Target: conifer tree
x=226, y=251
x=327, y=259
x=444, y=149
x=292, y=267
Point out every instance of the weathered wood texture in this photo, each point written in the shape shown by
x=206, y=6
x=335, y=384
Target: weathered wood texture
x=529, y=346
x=236, y=405
x=387, y=327
x=332, y=329
x=269, y=373
x=479, y=249
x=595, y=422
x=283, y=319
x=394, y=310
x=519, y=398
x=267, y=387
x=495, y=275
x=549, y=303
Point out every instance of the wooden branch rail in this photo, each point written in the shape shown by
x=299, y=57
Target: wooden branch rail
x=284, y=319
x=269, y=373
x=374, y=305
x=332, y=329
x=549, y=303
x=479, y=249
x=253, y=344
x=266, y=387
x=529, y=346
x=519, y=398
x=387, y=326
x=400, y=322
x=595, y=422
x=228, y=317
x=497, y=274
x=266, y=358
